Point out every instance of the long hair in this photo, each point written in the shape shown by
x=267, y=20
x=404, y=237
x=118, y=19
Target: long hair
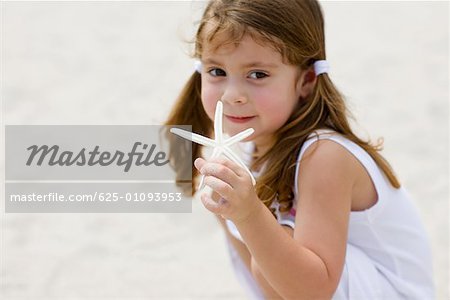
x=296, y=30
x=188, y=110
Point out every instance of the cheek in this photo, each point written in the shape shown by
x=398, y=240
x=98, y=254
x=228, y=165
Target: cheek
x=276, y=105
x=209, y=100
x=269, y=102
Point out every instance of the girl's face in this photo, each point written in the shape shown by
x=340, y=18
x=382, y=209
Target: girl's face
x=257, y=89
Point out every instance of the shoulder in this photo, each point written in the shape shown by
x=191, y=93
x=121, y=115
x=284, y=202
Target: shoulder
x=327, y=175
x=327, y=159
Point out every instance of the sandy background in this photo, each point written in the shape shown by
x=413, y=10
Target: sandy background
x=125, y=62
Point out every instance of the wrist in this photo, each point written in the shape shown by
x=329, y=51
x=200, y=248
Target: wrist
x=251, y=216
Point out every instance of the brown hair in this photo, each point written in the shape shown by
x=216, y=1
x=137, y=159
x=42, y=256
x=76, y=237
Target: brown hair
x=296, y=30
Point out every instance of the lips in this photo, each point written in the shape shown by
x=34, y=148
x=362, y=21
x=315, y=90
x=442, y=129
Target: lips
x=239, y=119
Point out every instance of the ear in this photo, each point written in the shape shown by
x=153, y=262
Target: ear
x=306, y=83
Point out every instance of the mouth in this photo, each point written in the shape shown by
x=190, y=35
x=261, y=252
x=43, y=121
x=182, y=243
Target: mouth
x=236, y=119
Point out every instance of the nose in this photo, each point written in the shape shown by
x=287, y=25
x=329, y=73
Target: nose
x=234, y=94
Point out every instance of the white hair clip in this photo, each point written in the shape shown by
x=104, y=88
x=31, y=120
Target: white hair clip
x=321, y=66
x=198, y=66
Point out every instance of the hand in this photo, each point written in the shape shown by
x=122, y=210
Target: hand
x=238, y=196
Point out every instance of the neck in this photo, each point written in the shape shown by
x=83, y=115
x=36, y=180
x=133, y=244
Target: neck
x=262, y=146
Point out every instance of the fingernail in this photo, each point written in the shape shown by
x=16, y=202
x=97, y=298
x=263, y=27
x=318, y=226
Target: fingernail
x=196, y=163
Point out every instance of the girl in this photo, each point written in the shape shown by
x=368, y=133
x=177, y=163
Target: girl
x=327, y=217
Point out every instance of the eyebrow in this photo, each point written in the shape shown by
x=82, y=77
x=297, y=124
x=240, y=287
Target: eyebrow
x=249, y=65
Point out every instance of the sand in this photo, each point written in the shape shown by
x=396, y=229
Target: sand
x=125, y=63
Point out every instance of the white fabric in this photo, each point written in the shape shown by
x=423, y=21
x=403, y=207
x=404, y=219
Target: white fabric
x=388, y=254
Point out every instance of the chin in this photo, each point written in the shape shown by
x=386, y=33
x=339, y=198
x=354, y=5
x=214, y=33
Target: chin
x=233, y=131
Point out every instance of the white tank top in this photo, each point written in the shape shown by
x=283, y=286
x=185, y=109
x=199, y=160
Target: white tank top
x=388, y=239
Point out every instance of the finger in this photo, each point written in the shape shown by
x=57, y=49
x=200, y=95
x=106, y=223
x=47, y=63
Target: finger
x=219, y=186
x=239, y=161
x=221, y=172
x=211, y=205
x=236, y=168
x=199, y=162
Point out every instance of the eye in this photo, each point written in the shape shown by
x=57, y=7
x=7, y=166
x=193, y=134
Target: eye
x=258, y=75
x=217, y=72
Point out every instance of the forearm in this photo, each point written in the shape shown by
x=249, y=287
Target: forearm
x=267, y=289
x=291, y=269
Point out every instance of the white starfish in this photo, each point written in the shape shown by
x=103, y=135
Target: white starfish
x=220, y=145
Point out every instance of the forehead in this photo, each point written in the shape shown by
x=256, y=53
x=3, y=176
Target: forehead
x=246, y=47
x=223, y=41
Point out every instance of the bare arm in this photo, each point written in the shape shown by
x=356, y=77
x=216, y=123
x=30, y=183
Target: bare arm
x=237, y=244
x=309, y=265
x=249, y=262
